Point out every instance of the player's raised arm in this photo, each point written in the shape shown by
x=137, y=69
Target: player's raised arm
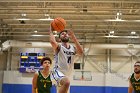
x=52, y=39
x=79, y=49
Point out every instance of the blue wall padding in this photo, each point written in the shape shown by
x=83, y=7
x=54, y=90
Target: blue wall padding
x=26, y=88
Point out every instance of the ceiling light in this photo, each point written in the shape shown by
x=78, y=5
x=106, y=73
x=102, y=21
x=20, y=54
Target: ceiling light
x=120, y=20
x=47, y=19
x=35, y=31
x=118, y=17
x=133, y=32
x=112, y=36
x=23, y=14
x=119, y=13
x=46, y=15
x=111, y=32
x=37, y=35
x=22, y=19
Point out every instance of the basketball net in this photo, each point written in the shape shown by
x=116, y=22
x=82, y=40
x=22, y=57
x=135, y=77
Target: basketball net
x=82, y=78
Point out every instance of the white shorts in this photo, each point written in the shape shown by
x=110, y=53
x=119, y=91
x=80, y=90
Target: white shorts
x=57, y=75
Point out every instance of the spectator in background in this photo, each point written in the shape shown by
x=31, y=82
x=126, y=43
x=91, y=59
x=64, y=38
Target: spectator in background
x=41, y=82
x=134, y=79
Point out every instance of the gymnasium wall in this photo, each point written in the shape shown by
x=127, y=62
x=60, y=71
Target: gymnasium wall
x=95, y=61
x=15, y=82
x=2, y=68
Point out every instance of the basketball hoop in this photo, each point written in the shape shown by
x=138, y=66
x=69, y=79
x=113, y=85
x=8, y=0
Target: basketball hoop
x=82, y=75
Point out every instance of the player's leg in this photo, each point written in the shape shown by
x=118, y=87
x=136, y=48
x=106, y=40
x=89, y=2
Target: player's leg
x=65, y=84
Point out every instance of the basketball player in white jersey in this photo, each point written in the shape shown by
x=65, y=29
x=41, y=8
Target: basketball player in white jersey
x=64, y=57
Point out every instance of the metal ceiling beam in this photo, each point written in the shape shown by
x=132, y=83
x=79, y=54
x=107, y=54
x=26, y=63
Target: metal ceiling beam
x=67, y=8
x=86, y=26
x=98, y=20
x=14, y=27
x=75, y=14
x=42, y=35
x=77, y=1
x=103, y=16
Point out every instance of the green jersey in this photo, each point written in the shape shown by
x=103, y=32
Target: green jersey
x=135, y=83
x=43, y=84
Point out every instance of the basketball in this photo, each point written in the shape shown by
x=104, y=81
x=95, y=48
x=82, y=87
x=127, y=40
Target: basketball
x=58, y=24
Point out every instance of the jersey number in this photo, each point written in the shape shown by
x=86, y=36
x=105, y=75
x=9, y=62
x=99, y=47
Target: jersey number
x=69, y=59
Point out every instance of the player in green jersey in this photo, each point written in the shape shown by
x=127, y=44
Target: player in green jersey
x=41, y=82
x=134, y=79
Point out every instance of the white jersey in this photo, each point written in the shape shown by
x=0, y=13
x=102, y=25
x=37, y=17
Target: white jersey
x=64, y=59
